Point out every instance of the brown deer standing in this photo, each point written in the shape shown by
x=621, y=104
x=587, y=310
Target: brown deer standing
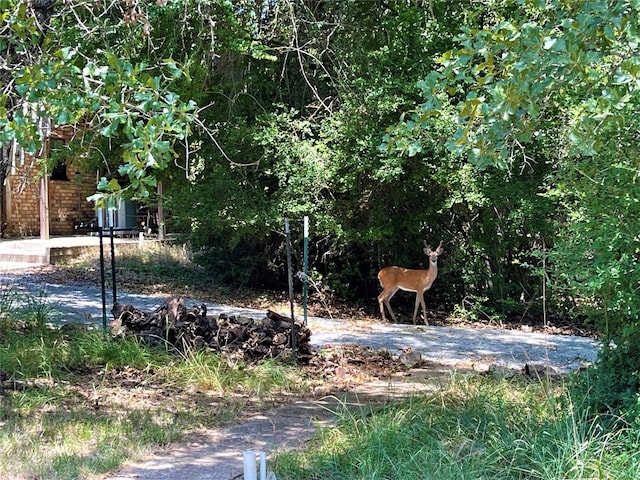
x=393, y=279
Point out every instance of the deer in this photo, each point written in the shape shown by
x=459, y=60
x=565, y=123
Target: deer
x=395, y=278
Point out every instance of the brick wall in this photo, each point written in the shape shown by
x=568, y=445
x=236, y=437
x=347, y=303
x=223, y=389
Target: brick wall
x=67, y=202
x=22, y=197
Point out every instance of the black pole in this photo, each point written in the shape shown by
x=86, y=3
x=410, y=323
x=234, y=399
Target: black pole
x=104, y=294
x=113, y=267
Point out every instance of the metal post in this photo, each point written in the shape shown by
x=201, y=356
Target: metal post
x=305, y=265
x=294, y=347
x=104, y=295
x=113, y=267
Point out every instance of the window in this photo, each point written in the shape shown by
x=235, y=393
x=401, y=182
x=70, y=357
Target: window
x=56, y=151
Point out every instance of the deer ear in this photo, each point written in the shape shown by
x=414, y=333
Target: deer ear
x=439, y=250
x=427, y=248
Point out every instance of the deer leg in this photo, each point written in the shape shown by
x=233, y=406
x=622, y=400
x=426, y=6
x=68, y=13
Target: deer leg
x=420, y=297
x=380, y=303
x=415, y=310
x=383, y=299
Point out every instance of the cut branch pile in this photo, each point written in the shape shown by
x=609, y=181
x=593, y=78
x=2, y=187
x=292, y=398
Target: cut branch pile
x=241, y=337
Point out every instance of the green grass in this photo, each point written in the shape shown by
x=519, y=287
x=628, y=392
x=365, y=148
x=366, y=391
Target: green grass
x=87, y=403
x=157, y=265
x=84, y=402
x=476, y=428
x=168, y=268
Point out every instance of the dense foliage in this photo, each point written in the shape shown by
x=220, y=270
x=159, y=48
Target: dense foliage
x=554, y=86
x=505, y=128
x=310, y=143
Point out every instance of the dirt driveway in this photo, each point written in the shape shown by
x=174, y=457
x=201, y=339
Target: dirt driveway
x=459, y=347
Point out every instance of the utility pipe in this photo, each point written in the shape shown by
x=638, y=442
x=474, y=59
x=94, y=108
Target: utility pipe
x=263, y=466
x=250, y=465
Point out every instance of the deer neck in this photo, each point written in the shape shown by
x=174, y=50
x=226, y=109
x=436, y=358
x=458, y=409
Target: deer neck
x=432, y=273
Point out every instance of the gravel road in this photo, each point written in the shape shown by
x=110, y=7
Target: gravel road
x=451, y=346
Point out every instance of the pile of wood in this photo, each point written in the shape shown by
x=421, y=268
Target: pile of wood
x=241, y=337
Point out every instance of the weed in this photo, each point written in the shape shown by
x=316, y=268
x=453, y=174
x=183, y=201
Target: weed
x=475, y=428
x=84, y=402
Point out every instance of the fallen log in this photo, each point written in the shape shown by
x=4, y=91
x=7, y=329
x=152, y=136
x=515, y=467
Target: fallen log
x=185, y=328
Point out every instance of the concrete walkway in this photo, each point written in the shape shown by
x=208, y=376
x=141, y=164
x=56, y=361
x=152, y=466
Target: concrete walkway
x=19, y=254
x=453, y=346
x=218, y=454
x=448, y=345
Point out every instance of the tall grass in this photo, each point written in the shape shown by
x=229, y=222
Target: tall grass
x=474, y=429
x=78, y=402
x=162, y=264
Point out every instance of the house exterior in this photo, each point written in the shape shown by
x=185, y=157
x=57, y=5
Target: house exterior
x=35, y=206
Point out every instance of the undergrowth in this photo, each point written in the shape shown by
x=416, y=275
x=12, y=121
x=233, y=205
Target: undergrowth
x=475, y=428
x=76, y=403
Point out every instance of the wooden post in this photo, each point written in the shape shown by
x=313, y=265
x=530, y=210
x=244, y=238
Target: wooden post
x=44, y=207
x=161, y=230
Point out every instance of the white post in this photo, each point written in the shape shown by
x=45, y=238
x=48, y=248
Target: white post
x=305, y=268
x=263, y=466
x=250, y=472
